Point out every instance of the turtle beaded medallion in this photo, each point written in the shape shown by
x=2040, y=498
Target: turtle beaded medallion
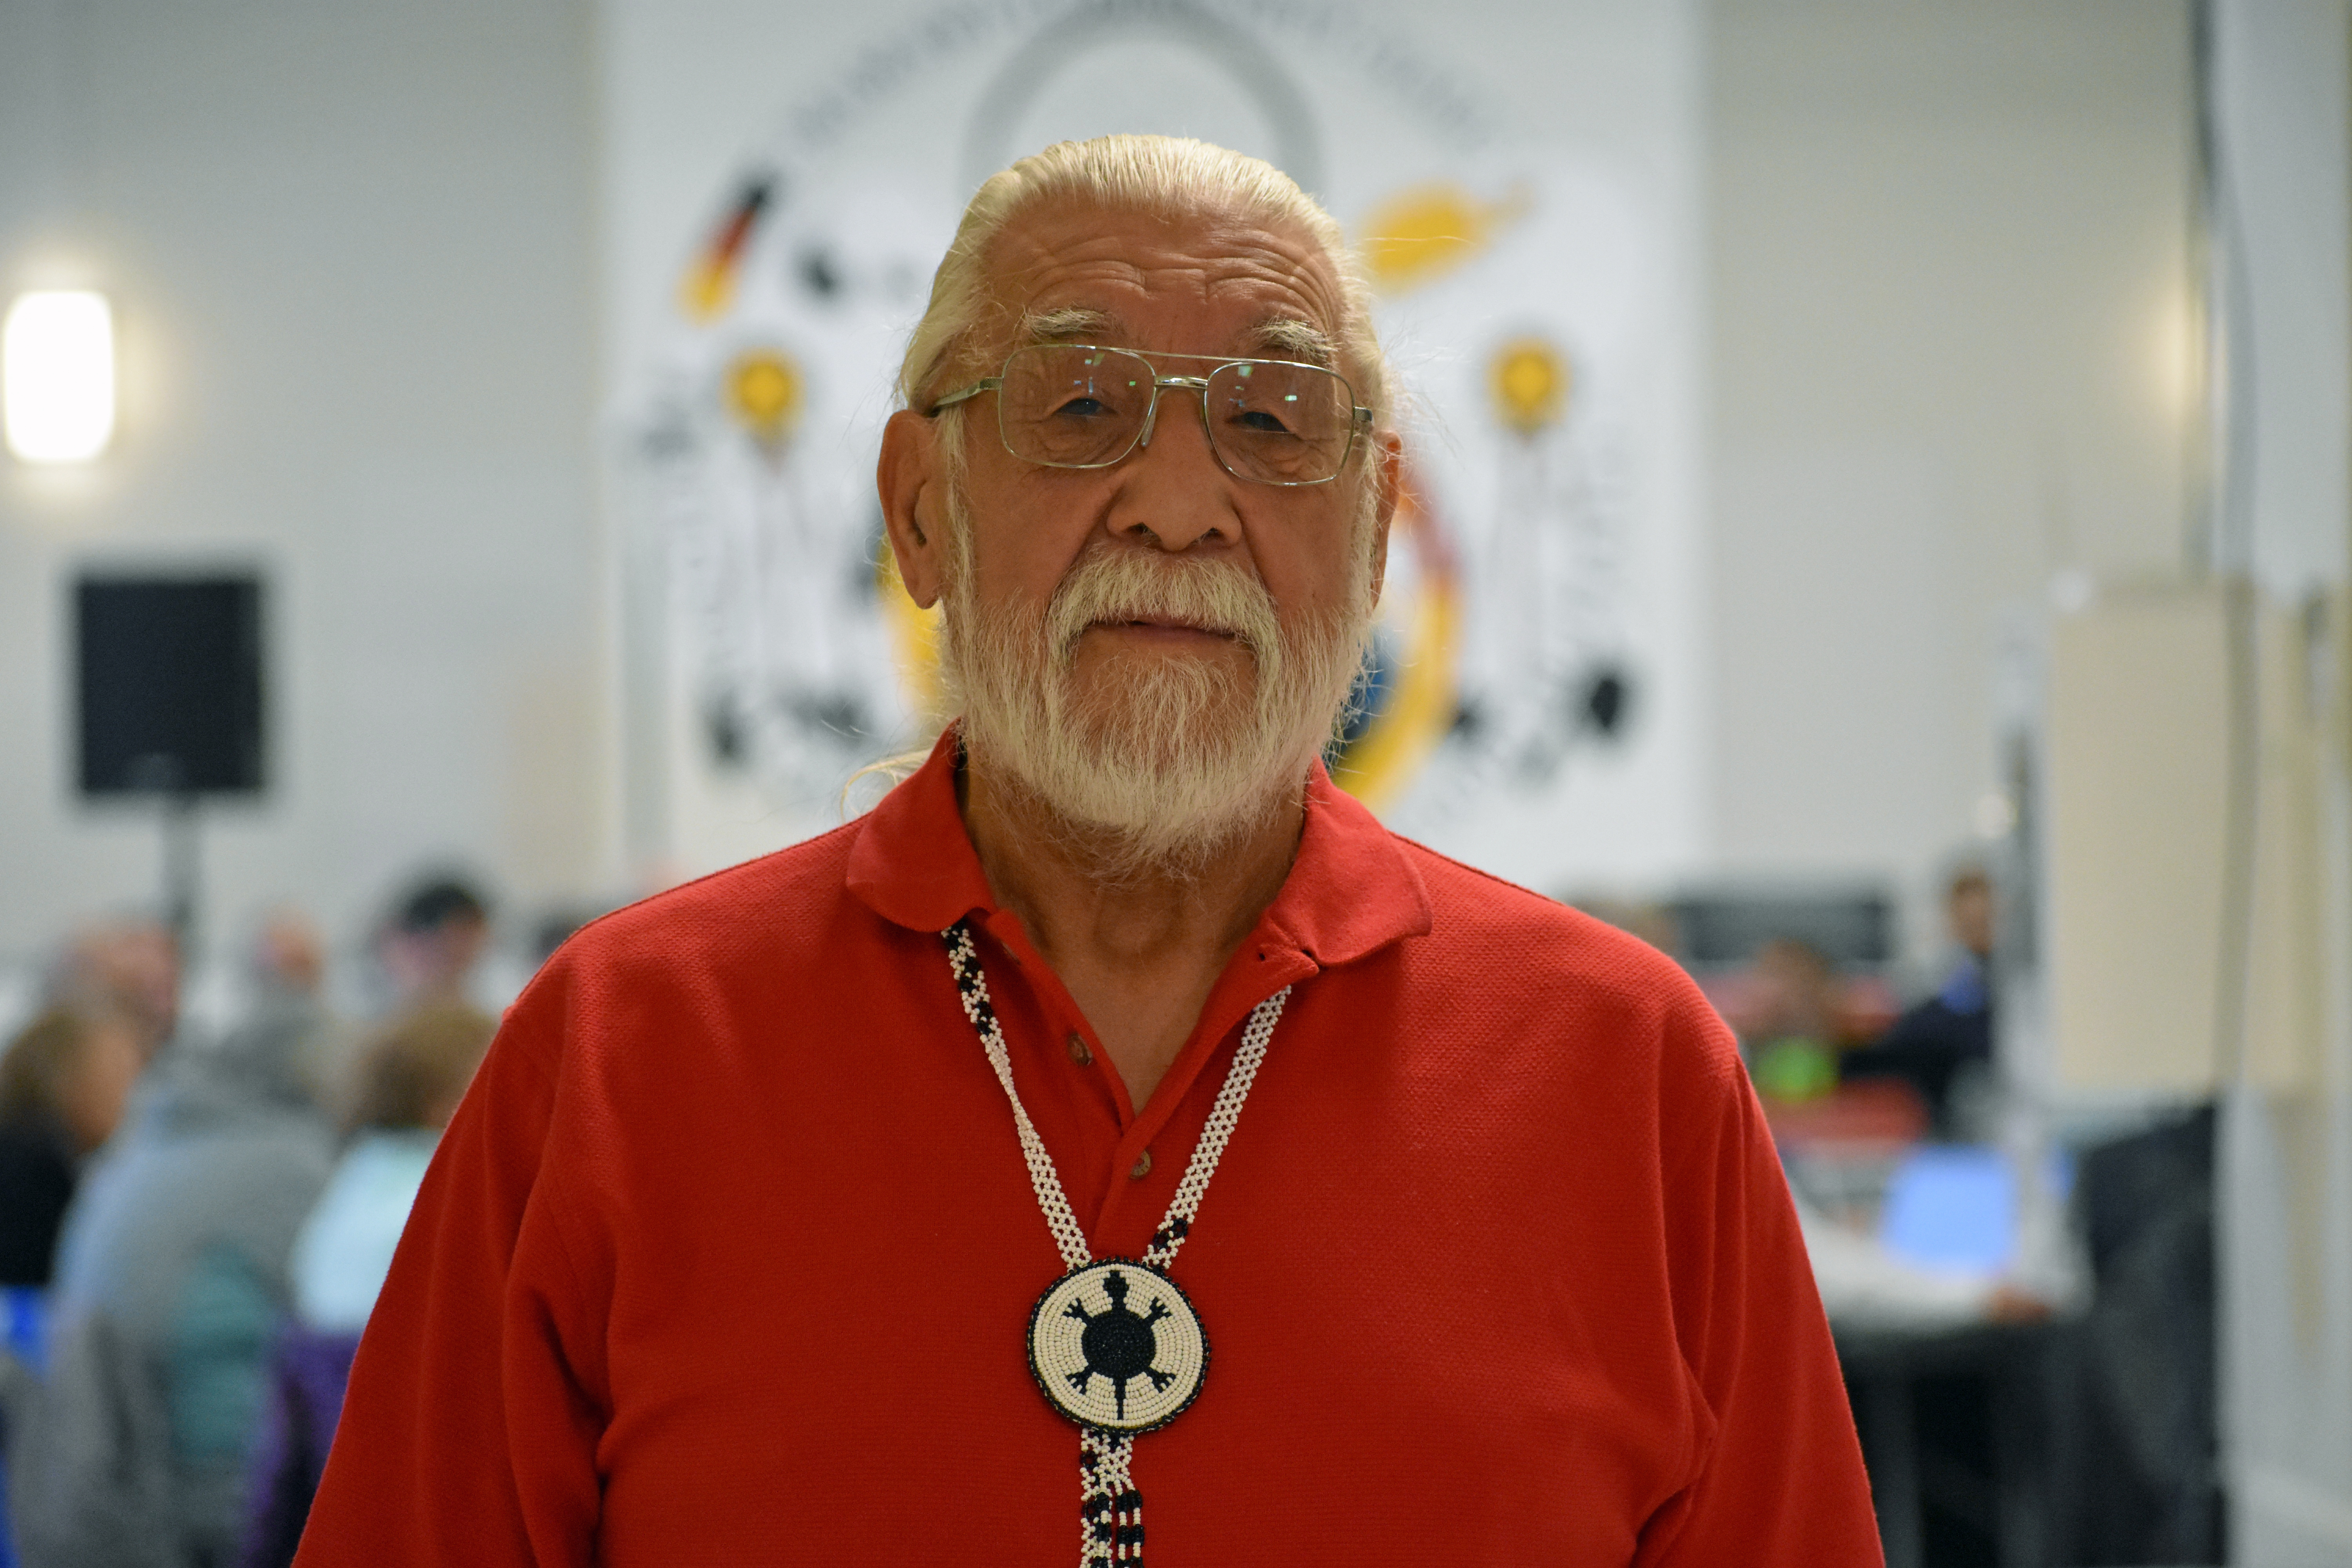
x=1118, y=1347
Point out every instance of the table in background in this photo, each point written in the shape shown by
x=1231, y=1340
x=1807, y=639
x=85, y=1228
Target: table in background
x=2027, y=1368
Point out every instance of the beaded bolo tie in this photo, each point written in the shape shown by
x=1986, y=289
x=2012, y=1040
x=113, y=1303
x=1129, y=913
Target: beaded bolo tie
x=1115, y=1346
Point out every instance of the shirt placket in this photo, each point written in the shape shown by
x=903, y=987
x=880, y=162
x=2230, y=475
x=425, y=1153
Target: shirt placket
x=1152, y=1143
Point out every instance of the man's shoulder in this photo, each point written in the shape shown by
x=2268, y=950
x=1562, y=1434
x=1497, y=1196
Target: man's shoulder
x=1478, y=911
x=1566, y=997
x=754, y=934
x=756, y=904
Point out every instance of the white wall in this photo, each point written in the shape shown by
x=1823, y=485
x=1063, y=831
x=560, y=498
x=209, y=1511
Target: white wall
x=1951, y=290
x=350, y=252
x=2285, y=237
x=1953, y=254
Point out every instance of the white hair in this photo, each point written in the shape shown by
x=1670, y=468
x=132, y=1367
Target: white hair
x=1159, y=174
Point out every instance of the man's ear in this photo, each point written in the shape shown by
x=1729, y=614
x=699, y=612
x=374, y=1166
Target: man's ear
x=914, y=503
x=1387, y=474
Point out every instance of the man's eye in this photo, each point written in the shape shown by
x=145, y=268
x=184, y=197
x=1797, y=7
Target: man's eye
x=1258, y=422
x=1081, y=408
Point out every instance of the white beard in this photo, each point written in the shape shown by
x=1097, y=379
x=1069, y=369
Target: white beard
x=1152, y=770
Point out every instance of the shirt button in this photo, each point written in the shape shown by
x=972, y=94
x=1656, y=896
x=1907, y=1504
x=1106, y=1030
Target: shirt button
x=1142, y=1167
x=1078, y=1052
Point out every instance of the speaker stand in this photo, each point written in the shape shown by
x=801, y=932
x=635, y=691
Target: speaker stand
x=182, y=869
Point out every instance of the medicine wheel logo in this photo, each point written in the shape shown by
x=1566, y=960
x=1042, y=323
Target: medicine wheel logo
x=1518, y=633
x=1116, y=1346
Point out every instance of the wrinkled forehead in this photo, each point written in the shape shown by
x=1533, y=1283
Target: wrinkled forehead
x=1180, y=281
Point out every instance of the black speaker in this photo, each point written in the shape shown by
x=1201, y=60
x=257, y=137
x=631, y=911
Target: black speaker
x=169, y=677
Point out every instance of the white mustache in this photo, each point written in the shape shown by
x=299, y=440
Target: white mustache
x=1119, y=585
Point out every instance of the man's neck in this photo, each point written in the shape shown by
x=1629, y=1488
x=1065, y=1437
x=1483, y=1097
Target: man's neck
x=1139, y=954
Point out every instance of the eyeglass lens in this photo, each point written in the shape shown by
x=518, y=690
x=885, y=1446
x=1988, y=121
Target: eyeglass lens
x=1071, y=406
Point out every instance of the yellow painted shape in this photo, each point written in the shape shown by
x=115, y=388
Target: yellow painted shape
x=764, y=392
x=914, y=637
x=1384, y=759
x=1530, y=379
x=1424, y=232
x=708, y=289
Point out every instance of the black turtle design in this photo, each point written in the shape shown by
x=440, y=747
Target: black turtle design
x=1119, y=1343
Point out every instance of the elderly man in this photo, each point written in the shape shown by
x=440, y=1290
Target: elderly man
x=883, y=1200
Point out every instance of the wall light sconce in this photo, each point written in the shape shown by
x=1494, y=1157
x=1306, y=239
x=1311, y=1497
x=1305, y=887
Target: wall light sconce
x=56, y=375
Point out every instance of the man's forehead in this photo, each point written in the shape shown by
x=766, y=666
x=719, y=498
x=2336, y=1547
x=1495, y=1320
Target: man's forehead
x=1276, y=335
x=1142, y=275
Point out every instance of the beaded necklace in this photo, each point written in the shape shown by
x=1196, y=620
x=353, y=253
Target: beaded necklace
x=1114, y=1371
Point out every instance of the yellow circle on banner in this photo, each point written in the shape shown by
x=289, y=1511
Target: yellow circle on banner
x=1531, y=379
x=764, y=392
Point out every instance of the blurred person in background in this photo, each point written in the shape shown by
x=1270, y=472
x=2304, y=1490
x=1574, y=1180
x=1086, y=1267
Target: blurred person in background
x=169, y=1288
x=409, y=1080
x=1803, y=1023
x=1947, y=1036
x=288, y=960
x=1797, y=1017
x=128, y=969
x=286, y=995
x=63, y=1084
x=286, y=970
x=431, y=943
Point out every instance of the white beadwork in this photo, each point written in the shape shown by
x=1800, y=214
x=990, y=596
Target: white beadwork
x=1111, y=1508
x=1223, y=1114
x=972, y=984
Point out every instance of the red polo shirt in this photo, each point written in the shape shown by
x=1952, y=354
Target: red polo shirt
x=728, y=1256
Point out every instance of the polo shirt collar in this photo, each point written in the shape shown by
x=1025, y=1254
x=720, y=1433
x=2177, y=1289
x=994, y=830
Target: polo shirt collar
x=1350, y=891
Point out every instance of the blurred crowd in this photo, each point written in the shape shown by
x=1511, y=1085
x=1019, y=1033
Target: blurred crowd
x=1853, y=1086
x=195, y=1217
x=1860, y=1088
x=2022, y=1289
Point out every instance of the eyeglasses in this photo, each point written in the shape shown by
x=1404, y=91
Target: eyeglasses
x=1075, y=405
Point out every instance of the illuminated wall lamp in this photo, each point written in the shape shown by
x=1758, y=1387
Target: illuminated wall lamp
x=56, y=375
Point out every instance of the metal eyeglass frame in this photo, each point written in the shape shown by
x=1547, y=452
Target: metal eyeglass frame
x=1360, y=417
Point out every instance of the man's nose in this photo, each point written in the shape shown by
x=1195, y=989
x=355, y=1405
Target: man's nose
x=1176, y=491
